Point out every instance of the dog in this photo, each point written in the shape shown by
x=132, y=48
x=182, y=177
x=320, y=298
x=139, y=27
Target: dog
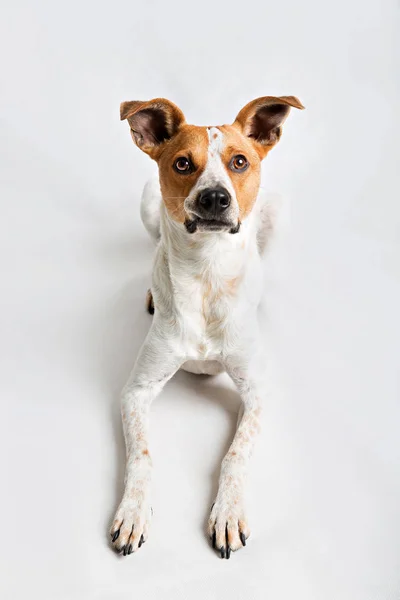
x=211, y=226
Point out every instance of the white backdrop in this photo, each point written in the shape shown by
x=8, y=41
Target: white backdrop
x=324, y=492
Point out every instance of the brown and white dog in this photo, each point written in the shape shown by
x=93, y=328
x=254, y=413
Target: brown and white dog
x=211, y=226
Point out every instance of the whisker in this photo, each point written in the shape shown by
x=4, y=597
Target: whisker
x=180, y=210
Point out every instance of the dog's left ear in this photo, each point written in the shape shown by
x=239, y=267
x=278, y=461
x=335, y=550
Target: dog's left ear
x=262, y=120
x=152, y=123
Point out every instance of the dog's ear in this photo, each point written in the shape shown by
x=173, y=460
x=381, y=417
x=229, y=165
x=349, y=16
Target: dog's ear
x=152, y=123
x=262, y=120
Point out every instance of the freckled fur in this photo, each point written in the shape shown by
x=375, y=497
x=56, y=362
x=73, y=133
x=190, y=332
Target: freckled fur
x=206, y=287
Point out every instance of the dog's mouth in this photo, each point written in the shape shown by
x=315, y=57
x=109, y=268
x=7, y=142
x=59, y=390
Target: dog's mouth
x=199, y=224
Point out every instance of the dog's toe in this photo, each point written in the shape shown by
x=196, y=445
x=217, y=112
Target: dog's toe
x=228, y=530
x=130, y=528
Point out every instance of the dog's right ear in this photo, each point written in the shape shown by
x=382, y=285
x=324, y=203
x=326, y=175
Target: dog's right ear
x=152, y=123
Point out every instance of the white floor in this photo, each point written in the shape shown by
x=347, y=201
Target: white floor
x=324, y=492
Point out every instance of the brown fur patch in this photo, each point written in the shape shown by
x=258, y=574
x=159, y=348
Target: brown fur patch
x=190, y=142
x=247, y=183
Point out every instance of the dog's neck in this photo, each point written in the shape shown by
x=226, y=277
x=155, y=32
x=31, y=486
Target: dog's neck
x=210, y=254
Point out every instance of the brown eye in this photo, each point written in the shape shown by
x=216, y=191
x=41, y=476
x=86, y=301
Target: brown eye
x=239, y=163
x=183, y=166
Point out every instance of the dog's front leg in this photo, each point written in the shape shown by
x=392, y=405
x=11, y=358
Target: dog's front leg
x=155, y=365
x=227, y=525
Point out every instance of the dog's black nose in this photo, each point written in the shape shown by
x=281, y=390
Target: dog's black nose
x=213, y=201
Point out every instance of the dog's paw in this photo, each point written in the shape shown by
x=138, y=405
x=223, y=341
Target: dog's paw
x=131, y=523
x=227, y=526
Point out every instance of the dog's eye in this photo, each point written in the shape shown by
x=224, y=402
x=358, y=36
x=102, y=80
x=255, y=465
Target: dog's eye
x=239, y=163
x=183, y=165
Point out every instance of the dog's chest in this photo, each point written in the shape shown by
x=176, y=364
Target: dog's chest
x=212, y=291
x=204, y=312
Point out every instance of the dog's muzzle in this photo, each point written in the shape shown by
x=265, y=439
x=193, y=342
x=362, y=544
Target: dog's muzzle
x=211, y=212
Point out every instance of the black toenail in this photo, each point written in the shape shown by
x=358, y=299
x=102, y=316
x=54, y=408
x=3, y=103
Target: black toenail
x=115, y=536
x=223, y=552
x=141, y=540
x=242, y=538
x=228, y=552
x=214, y=540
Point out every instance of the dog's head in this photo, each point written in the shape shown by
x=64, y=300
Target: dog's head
x=209, y=176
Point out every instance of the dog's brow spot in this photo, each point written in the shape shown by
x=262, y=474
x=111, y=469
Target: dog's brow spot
x=215, y=137
x=145, y=452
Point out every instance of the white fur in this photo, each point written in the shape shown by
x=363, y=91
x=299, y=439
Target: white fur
x=213, y=175
x=206, y=288
x=150, y=208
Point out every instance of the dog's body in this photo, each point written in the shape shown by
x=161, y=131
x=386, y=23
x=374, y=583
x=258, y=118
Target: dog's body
x=211, y=226
x=212, y=286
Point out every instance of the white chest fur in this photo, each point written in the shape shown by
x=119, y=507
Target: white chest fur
x=206, y=287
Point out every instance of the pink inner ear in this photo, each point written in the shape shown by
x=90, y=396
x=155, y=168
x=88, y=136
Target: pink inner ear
x=149, y=127
x=266, y=122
